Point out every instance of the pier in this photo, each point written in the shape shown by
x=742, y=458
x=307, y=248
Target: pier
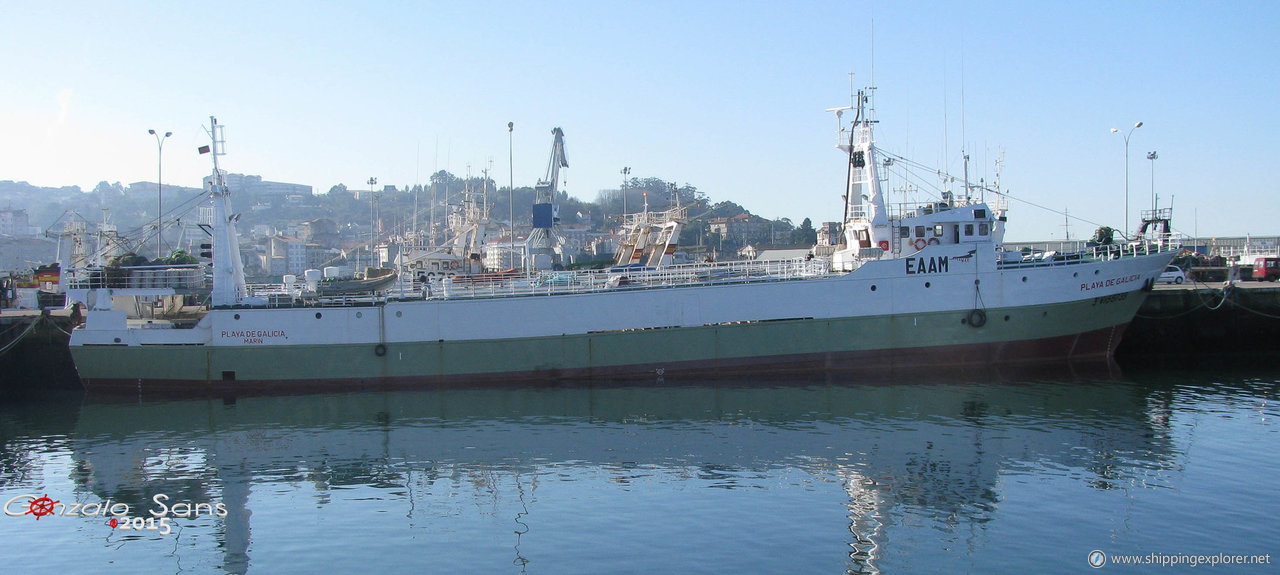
x=1197, y=316
x=33, y=351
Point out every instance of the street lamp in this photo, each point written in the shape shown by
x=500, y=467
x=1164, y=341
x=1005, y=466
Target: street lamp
x=1152, y=155
x=1125, y=231
x=625, y=172
x=372, y=182
x=159, y=199
x=511, y=186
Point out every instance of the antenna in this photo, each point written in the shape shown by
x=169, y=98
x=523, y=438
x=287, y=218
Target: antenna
x=946, y=137
x=417, y=187
x=963, y=142
x=873, y=49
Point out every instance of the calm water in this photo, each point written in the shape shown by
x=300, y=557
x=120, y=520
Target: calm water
x=992, y=473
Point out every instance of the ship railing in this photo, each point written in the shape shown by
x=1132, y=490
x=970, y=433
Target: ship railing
x=570, y=282
x=1031, y=257
x=183, y=277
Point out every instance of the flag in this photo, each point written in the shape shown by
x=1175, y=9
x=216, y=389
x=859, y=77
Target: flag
x=203, y=149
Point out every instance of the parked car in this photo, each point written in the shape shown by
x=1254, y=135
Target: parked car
x=1172, y=275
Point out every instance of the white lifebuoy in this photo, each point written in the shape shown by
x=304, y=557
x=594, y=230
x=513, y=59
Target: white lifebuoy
x=920, y=243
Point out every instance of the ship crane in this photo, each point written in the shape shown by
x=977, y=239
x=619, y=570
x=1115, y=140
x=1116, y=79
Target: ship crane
x=543, y=244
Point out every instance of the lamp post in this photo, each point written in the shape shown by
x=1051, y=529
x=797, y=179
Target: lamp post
x=511, y=186
x=1153, y=156
x=159, y=198
x=625, y=172
x=1136, y=125
x=372, y=182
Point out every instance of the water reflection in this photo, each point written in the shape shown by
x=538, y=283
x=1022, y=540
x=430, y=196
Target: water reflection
x=931, y=452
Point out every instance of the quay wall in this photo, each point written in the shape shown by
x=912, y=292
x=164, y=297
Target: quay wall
x=40, y=360
x=1197, y=317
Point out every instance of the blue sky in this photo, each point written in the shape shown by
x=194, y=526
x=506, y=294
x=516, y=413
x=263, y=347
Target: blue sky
x=726, y=96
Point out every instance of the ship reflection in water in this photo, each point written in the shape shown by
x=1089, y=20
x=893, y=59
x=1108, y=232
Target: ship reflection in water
x=797, y=476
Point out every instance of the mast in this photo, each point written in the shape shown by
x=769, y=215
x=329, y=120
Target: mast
x=228, y=270
x=866, y=218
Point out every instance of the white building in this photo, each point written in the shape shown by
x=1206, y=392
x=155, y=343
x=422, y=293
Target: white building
x=14, y=223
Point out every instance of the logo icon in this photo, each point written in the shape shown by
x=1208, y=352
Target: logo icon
x=1097, y=559
x=41, y=506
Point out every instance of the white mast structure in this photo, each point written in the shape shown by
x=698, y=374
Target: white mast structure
x=228, y=270
x=866, y=227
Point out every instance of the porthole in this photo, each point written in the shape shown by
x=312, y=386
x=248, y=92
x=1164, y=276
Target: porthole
x=1075, y=274
x=977, y=282
x=359, y=315
x=873, y=288
x=1006, y=318
x=927, y=284
x=237, y=316
x=1024, y=279
x=398, y=314
x=1096, y=272
x=317, y=315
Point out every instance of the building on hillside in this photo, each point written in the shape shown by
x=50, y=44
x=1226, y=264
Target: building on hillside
x=829, y=234
x=322, y=231
x=239, y=183
x=742, y=228
x=291, y=255
x=14, y=223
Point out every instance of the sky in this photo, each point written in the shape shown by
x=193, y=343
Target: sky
x=725, y=96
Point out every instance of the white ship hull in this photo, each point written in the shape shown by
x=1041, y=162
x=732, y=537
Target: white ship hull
x=879, y=316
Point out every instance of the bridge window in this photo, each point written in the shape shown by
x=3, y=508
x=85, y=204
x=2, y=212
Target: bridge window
x=919, y=231
x=968, y=229
x=984, y=229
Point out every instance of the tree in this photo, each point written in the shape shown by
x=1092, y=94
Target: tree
x=805, y=234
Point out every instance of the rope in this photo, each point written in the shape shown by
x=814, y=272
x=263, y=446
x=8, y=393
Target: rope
x=1226, y=295
x=59, y=328
x=1263, y=314
x=10, y=345
x=1203, y=304
x=13, y=327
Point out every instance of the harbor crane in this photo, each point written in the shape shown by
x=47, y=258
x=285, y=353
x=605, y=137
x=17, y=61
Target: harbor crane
x=544, y=243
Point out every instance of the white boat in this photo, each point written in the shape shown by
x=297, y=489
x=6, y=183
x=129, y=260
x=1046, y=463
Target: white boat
x=920, y=287
x=650, y=239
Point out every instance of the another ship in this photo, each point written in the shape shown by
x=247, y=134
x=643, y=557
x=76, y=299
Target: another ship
x=920, y=287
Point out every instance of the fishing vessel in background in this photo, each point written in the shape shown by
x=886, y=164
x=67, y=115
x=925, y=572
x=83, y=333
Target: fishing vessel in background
x=918, y=286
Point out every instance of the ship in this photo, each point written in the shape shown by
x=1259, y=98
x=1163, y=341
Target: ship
x=921, y=286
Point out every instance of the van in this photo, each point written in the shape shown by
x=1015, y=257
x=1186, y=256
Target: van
x=1266, y=269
